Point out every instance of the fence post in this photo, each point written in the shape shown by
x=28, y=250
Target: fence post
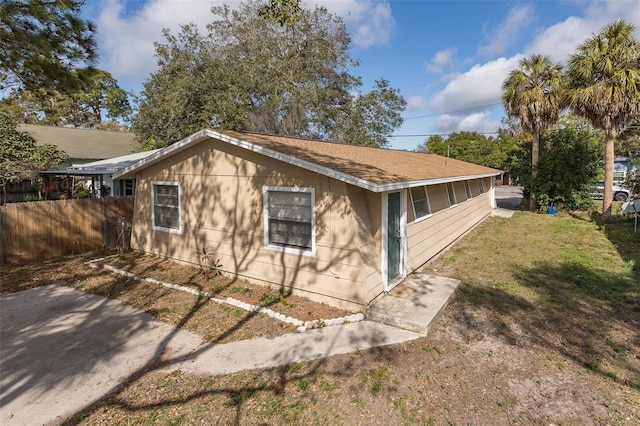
x=4, y=246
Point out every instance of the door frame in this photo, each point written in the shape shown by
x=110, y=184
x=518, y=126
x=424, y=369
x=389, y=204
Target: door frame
x=402, y=267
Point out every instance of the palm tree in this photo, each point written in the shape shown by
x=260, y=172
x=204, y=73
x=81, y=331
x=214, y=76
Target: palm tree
x=534, y=94
x=604, y=87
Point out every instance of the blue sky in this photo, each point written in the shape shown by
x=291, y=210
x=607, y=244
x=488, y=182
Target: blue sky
x=448, y=58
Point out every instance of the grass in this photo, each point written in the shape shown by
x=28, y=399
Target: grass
x=559, y=280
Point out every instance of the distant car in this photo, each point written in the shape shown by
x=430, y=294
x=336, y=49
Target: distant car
x=620, y=193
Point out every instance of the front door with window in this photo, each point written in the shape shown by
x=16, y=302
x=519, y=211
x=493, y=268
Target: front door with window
x=394, y=239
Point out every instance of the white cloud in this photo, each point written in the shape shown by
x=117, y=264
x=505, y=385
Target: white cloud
x=369, y=21
x=415, y=103
x=481, y=85
x=509, y=31
x=559, y=41
x=480, y=122
x=126, y=42
x=442, y=60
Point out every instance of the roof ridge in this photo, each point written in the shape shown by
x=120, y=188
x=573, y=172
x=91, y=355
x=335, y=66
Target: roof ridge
x=246, y=132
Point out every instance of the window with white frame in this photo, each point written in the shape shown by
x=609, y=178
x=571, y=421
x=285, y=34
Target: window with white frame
x=481, y=185
x=165, y=214
x=420, y=201
x=467, y=189
x=289, y=219
x=452, y=194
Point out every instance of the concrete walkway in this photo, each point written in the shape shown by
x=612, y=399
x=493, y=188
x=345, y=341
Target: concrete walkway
x=62, y=349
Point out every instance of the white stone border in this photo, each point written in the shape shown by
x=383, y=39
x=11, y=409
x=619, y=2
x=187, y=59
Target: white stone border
x=302, y=326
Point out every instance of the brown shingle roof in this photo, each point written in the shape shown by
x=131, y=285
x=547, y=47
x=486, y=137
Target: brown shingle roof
x=376, y=169
x=377, y=165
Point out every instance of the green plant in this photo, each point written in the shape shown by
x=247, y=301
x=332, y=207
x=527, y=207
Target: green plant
x=399, y=404
x=285, y=302
x=377, y=378
x=359, y=402
x=208, y=264
x=267, y=298
x=303, y=384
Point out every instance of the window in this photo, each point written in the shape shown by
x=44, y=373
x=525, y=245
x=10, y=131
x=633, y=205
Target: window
x=165, y=215
x=420, y=200
x=289, y=219
x=126, y=186
x=481, y=185
x=467, y=189
x=452, y=194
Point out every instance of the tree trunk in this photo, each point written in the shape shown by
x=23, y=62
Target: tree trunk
x=535, y=150
x=607, y=201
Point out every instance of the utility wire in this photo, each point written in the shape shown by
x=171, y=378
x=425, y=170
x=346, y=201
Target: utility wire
x=438, y=134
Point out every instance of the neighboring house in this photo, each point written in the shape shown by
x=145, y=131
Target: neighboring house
x=337, y=223
x=83, y=145
x=622, y=166
x=99, y=175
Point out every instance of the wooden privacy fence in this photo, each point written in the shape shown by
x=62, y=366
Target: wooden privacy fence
x=46, y=229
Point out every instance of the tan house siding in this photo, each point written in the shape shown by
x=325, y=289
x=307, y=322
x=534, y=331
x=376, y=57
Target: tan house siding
x=373, y=283
x=221, y=194
x=426, y=238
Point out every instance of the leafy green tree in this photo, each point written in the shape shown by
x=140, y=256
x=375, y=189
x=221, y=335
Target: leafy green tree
x=474, y=148
x=568, y=166
x=284, y=12
x=604, y=87
x=41, y=43
x=372, y=117
x=251, y=73
x=431, y=140
x=98, y=95
x=189, y=91
x=20, y=157
x=628, y=143
x=534, y=94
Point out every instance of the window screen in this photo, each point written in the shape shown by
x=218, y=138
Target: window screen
x=467, y=189
x=166, y=206
x=290, y=219
x=420, y=202
x=452, y=194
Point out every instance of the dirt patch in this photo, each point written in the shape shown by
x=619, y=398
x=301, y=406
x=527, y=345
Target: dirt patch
x=212, y=321
x=445, y=379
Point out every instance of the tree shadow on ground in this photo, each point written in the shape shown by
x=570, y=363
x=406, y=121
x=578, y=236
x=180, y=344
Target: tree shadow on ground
x=584, y=314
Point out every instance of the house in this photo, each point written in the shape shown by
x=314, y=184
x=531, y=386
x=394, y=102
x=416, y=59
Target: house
x=83, y=145
x=99, y=175
x=337, y=223
x=622, y=167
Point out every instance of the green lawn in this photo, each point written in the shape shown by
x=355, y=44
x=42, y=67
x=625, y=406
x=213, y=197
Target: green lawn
x=570, y=283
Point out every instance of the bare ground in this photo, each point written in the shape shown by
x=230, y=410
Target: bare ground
x=495, y=362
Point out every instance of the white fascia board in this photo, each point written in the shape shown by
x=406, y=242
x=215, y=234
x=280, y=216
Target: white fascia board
x=426, y=182
x=325, y=171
